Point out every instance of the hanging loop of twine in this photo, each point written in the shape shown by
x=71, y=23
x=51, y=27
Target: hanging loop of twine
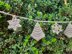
x=33, y=19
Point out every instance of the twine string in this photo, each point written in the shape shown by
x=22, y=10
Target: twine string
x=21, y=17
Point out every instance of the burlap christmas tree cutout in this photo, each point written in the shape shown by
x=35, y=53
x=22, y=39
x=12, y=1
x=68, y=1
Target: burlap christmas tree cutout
x=68, y=31
x=37, y=33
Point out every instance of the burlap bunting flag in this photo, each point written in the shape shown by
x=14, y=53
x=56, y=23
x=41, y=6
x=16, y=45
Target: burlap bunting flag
x=68, y=30
x=37, y=33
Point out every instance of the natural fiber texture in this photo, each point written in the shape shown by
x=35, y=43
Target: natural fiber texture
x=37, y=33
x=56, y=28
x=33, y=19
x=68, y=31
x=14, y=23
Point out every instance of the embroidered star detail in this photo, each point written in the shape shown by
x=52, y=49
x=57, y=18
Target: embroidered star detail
x=14, y=23
x=56, y=28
